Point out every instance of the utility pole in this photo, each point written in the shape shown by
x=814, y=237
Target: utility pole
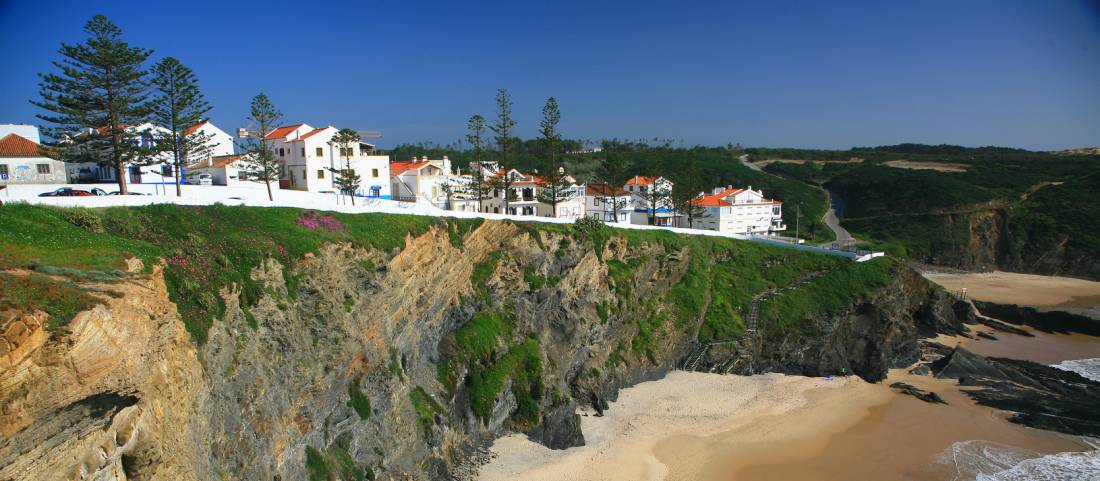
x=797, y=214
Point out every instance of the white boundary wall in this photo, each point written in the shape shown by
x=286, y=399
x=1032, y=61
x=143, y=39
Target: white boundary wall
x=208, y=195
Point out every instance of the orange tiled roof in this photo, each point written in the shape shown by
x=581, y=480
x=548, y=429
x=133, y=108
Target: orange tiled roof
x=194, y=128
x=13, y=145
x=282, y=132
x=641, y=180
x=398, y=168
x=313, y=132
x=710, y=200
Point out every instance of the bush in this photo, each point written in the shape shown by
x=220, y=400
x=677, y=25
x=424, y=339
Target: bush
x=83, y=218
x=358, y=401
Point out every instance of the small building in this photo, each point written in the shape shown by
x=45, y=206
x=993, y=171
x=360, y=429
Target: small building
x=646, y=206
x=22, y=161
x=228, y=170
x=524, y=198
x=608, y=203
x=740, y=211
x=424, y=180
x=308, y=157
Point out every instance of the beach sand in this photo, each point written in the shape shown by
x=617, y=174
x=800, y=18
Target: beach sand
x=1023, y=289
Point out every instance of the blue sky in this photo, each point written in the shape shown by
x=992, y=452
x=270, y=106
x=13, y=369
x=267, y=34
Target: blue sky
x=783, y=73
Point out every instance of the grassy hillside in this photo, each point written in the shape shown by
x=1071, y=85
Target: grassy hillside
x=1046, y=200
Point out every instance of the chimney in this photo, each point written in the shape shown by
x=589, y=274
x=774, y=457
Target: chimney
x=424, y=158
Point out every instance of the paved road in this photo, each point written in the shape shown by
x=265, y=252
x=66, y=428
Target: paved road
x=830, y=219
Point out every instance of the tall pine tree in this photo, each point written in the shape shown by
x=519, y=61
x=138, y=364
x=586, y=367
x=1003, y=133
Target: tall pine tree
x=688, y=185
x=556, y=187
x=101, y=91
x=261, y=158
x=346, y=179
x=503, y=130
x=612, y=174
x=478, y=185
x=178, y=106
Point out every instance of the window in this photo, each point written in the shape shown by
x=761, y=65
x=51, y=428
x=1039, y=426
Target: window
x=374, y=173
x=166, y=170
x=303, y=152
x=320, y=151
x=43, y=168
x=3, y=171
x=363, y=150
x=281, y=153
x=320, y=173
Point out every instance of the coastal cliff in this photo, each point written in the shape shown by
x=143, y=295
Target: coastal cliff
x=361, y=359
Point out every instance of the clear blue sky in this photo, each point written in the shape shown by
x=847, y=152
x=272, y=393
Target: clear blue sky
x=784, y=73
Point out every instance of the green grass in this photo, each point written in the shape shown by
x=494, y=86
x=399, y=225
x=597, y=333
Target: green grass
x=788, y=313
x=649, y=333
x=475, y=341
x=458, y=229
x=522, y=364
x=426, y=409
x=206, y=249
x=316, y=465
x=358, y=401
x=482, y=272
x=58, y=299
x=536, y=281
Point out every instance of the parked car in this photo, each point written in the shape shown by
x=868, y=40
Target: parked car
x=203, y=179
x=66, y=192
x=98, y=191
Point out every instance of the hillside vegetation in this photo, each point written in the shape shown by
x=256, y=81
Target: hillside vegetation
x=1010, y=208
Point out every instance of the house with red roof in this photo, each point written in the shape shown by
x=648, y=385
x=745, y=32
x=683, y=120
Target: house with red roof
x=308, y=157
x=23, y=161
x=523, y=197
x=652, y=204
x=218, y=142
x=431, y=181
x=740, y=211
x=608, y=203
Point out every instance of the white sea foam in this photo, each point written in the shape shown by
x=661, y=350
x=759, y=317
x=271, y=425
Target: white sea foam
x=978, y=460
x=1062, y=467
x=1088, y=368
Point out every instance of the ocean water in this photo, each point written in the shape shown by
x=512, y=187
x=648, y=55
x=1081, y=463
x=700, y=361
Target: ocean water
x=1088, y=368
x=978, y=460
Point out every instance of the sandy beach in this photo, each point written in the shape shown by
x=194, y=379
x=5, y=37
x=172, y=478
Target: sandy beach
x=1023, y=289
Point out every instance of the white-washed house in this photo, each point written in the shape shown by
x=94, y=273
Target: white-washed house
x=608, y=203
x=218, y=142
x=646, y=205
x=308, y=155
x=425, y=180
x=22, y=161
x=740, y=211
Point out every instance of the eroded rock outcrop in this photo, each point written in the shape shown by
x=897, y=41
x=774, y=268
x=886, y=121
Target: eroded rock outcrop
x=365, y=366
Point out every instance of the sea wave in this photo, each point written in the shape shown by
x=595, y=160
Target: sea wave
x=978, y=460
x=1088, y=368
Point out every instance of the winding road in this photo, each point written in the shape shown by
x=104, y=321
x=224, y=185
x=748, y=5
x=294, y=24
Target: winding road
x=843, y=237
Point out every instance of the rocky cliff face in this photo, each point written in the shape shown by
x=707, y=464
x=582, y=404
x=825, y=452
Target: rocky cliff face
x=396, y=365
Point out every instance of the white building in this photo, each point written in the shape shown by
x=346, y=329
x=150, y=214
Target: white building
x=307, y=156
x=22, y=160
x=646, y=205
x=524, y=199
x=229, y=170
x=424, y=180
x=608, y=203
x=218, y=142
x=740, y=211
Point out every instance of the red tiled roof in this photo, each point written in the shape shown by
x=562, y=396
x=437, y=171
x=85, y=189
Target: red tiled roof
x=712, y=200
x=13, y=145
x=220, y=161
x=398, y=168
x=282, y=132
x=194, y=128
x=313, y=132
x=641, y=180
x=603, y=189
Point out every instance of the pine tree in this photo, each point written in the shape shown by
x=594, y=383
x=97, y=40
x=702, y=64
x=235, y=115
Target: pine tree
x=557, y=187
x=100, y=92
x=261, y=158
x=478, y=185
x=656, y=196
x=685, y=193
x=178, y=106
x=503, y=130
x=612, y=174
x=346, y=179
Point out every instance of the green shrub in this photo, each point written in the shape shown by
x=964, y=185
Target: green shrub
x=84, y=218
x=358, y=401
x=482, y=272
x=316, y=465
x=426, y=409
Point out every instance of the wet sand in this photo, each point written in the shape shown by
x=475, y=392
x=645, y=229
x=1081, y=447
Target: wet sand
x=1044, y=348
x=897, y=440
